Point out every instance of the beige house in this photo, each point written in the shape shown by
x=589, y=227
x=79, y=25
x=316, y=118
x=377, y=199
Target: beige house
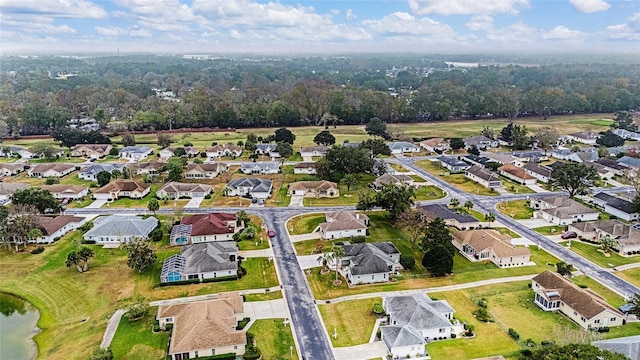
x=149, y=168
x=484, y=177
x=555, y=293
x=122, y=188
x=516, y=174
x=320, y=188
x=177, y=190
x=7, y=189
x=562, y=210
x=626, y=237
x=388, y=179
x=11, y=169
x=482, y=245
x=435, y=145
x=304, y=168
x=204, y=171
x=50, y=170
x=91, y=151
x=342, y=224
x=62, y=191
x=218, y=151
x=205, y=328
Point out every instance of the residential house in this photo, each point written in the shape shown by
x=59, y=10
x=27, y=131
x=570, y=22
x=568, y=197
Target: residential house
x=122, y=188
x=453, y=164
x=90, y=173
x=481, y=142
x=530, y=156
x=11, y=151
x=435, y=145
x=603, y=172
x=613, y=166
x=205, y=171
x=344, y=224
x=516, y=174
x=630, y=162
x=415, y=320
x=615, y=150
x=450, y=217
x=250, y=187
x=476, y=160
x=562, y=210
x=540, y=172
x=305, y=168
x=91, y=151
x=626, y=237
x=626, y=134
x=260, y=167
x=116, y=229
x=265, y=149
x=616, y=206
x=7, y=189
x=47, y=170
x=402, y=147
x=484, y=177
x=579, y=157
x=11, y=169
x=585, y=137
x=204, y=328
x=219, y=151
x=168, y=152
x=212, y=260
x=502, y=158
x=346, y=143
x=149, y=168
x=369, y=263
x=53, y=228
x=65, y=191
x=388, y=179
x=200, y=228
x=177, y=190
x=555, y=293
x=135, y=153
x=316, y=189
x=57, y=153
x=483, y=245
x=628, y=346
x=312, y=151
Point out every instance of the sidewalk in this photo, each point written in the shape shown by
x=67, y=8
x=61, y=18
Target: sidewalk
x=189, y=299
x=303, y=237
x=112, y=326
x=256, y=253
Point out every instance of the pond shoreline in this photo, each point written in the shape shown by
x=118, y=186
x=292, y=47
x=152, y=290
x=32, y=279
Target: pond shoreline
x=33, y=353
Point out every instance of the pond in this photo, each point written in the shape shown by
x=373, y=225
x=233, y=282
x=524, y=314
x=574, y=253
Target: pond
x=18, y=325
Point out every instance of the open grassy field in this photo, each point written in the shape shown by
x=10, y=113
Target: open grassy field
x=137, y=341
x=458, y=180
x=274, y=339
x=515, y=188
x=630, y=275
x=591, y=253
x=429, y=192
x=518, y=208
x=304, y=224
x=550, y=230
x=347, y=197
x=344, y=316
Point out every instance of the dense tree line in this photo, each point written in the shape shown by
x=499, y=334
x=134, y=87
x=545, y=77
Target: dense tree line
x=302, y=91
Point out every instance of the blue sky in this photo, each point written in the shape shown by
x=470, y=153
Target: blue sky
x=320, y=26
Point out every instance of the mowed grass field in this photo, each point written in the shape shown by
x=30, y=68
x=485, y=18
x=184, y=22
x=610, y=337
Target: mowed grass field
x=352, y=320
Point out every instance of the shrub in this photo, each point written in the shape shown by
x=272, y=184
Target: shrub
x=156, y=234
x=453, y=336
x=483, y=303
x=85, y=227
x=242, y=323
x=583, y=286
x=88, y=242
x=137, y=311
x=526, y=353
x=208, y=196
x=252, y=353
x=101, y=354
x=514, y=334
x=377, y=309
x=51, y=181
x=482, y=315
x=603, y=329
x=37, y=250
x=547, y=342
x=530, y=343
x=358, y=239
x=407, y=261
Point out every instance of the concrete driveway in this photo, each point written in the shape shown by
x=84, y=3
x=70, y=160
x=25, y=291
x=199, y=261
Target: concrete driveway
x=372, y=350
x=256, y=253
x=535, y=223
x=296, y=201
x=96, y=204
x=194, y=202
x=269, y=309
x=308, y=261
x=537, y=188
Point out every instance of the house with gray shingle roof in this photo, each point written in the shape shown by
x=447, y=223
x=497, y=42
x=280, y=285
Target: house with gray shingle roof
x=260, y=167
x=250, y=187
x=562, y=210
x=177, y=190
x=91, y=172
x=453, y=164
x=450, y=217
x=401, y=147
x=135, y=153
x=628, y=346
x=116, y=229
x=630, y=162
x=415, y=320
x=369, y=263
x=616, y=206
x=202, y=261
x=7, y=189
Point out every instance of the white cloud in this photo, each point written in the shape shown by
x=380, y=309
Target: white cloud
x=140, y=33
x=402, y=23
x=628, y=31
x=562, y=32
x=590, y=6
x=35, y=24
x=335, y=11
x=518, y=33
x=480, y=22
x=110, y=31
x=451, y=7
x=55, y=8
x=350, y=14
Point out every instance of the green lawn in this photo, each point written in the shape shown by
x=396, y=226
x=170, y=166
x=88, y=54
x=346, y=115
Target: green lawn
x=429, y=192
x=346, y=197
x=344, y=316
x=274, y=339
x=591, y=253
x=417, y=178
x=550, y=230
x=518, y=208
x=515, y=188
x=137, y=341
x=630, y=275
x=272, y=295
x=304, y=224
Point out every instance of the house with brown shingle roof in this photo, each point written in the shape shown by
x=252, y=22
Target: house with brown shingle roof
x=555, y=293
x=216, y=226
x=343, y=224
x=177, y=190
x=204, y=171
x=388, y=179
x=47, y=170
x=482, y=245
x=439, y=145
x=122, y=188
x=540, y=172
x=218, y=151
x=484, y=177
x=304, y=168
x=7, y=189
x=517, y=174
x=626, y=237
x=320, y=188
x=11, y=169
x=205, y=328
x=65, y=191
x=54, y=228
x=91, y=151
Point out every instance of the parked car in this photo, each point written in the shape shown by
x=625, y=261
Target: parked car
x=569, y=235
x=271, y=233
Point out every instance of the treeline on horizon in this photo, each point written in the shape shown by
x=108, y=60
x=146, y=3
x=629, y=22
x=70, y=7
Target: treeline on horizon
x=299, y=91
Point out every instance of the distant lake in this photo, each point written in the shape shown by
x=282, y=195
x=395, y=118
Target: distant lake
x=18, y=325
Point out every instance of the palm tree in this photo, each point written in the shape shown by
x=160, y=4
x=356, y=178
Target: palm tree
x=242, y=217
x=85, y=253
x=468, y=204
x=153, y=205
x=349, y=180
x=454, y=202
x=226, y=192
x=490, y=217
x=337, y=253
x=73, y=259
x=325, y=259
x=606, y=243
